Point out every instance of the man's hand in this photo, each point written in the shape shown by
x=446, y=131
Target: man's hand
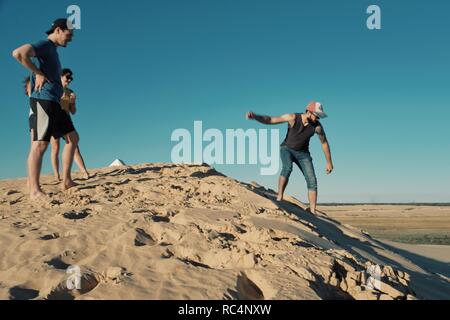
x=329, y=168
x=72, y=99
x=250, y=115
x=40, y=81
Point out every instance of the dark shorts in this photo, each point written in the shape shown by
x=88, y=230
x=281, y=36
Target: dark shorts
x=47, y=120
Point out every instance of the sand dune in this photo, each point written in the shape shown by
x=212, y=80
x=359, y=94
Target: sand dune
x=164, y=231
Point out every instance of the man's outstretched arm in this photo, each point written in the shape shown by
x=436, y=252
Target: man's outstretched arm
x=23, y=54
x=271, y=120
x=326, y=148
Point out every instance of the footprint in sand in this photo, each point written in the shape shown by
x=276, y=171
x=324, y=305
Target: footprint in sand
x=87, y=186
x=88, y=282
x=121, y=182
x=73, y=215
x=144, y=179
x=302, y=244
x=22, y=293
x=160, y=219
x=247, y=289
x=194, y=263
x=21, y=225
x=10, y=192
x=57, y=263
x=50, y=236
x=143, y=239
x=13, y=202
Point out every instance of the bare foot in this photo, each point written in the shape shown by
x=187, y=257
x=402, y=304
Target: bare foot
x=310, y=211
x=37, y=195
x=67, y=185
x=279, y=198
x=86, y=175
x=58, y=178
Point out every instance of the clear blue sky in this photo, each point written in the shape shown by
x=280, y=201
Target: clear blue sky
x=145, y=68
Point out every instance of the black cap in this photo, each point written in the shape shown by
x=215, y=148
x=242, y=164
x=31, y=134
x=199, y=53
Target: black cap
x=62, y=23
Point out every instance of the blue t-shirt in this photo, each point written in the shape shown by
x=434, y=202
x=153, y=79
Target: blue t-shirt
x=47, y=60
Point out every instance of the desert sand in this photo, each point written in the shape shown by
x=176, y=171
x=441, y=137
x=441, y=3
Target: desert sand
x=165, y=231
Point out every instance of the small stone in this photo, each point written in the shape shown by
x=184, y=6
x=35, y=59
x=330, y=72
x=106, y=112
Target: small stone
x=333, y=280
x=363, y=278
x=365, y=295
x=388, y=289
x=411, y=297
x=385, y=297
x=344, y=286
x=10, y=192
x=403, y=282
x=354, y=290
x=388, y=271
x=114, y=272
x=348, y=267
x=167, y=254
x=351, y=283
x=353, y=275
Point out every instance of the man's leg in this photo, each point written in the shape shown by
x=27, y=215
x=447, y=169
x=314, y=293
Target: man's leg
x=37, y=151
x=55, y=157
x=286, y=161
x=67, y=159
x=312, y=196
x=80, y=163
x=282, y=183
x=304, y=161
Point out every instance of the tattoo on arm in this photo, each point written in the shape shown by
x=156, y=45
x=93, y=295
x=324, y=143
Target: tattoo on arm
x=321, y=133
x=263, y=119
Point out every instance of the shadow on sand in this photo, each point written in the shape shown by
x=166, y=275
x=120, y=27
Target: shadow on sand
x=425, y=281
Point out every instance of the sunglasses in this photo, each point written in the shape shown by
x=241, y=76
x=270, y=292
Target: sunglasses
x=68, y=77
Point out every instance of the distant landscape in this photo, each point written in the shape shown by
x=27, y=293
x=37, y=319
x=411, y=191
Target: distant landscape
x=406, y=223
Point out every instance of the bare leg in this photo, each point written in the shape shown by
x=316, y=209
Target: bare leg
x=37, y=151
x=312, y=195
x=55, y=158
x=80, y=163
x=282, y=183
x=67, y=159
x=31, y=142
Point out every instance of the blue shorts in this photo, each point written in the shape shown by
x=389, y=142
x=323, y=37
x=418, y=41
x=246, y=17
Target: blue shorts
x=303, y=160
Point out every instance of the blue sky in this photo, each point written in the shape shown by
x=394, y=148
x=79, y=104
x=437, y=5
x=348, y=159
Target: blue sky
x=145, y=68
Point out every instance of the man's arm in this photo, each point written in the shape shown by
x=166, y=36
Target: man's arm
x=73, y=99
x=23, y=54
x=288, y=117
x=326, y=148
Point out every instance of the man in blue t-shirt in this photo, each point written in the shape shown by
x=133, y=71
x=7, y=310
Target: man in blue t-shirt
x=47, y=119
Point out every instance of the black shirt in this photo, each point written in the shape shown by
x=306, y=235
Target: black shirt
x=298, y=135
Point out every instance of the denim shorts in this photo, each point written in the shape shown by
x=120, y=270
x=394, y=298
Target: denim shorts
x=303, y=160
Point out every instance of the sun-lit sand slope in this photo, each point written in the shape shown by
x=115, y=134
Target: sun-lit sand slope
x=164, y=231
